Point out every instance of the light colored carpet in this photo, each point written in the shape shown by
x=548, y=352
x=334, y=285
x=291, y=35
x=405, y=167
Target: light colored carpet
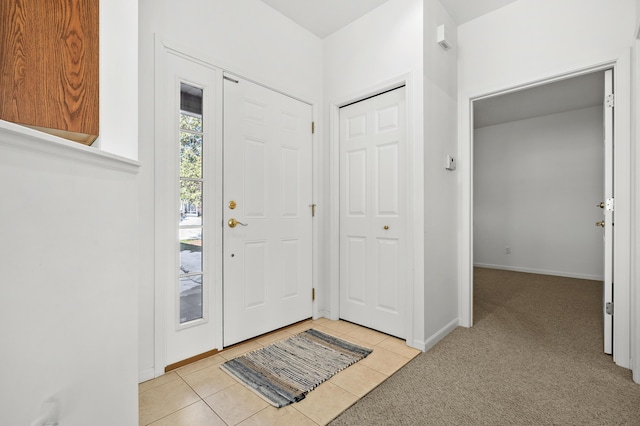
x=533, y=357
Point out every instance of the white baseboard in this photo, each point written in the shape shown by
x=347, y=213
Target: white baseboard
x=541, y=271
x=439, y=335
x=145, y=375
x=323, y=314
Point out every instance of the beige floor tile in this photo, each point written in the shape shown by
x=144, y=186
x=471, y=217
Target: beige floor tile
x=323, y=328
x=384, y=361
x=324, y=403
x=285, y=416
x=198, y=414
x=371, y=337
x=209, y=380
x=158, y=381
x=236, y=403
x=240, y=349
x=358, y=379
x=399, y=347
x=319, y=321
x=298, y=328
x=273, y=337
x=163, y=400
x=341, y=327
x=199, y=365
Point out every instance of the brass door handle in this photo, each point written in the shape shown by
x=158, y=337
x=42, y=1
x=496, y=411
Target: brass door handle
x=233, y=223
x=386, y=227
x=601, y=223
x=601, y=205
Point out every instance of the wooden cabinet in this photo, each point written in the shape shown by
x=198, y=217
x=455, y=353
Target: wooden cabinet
x=49, y=66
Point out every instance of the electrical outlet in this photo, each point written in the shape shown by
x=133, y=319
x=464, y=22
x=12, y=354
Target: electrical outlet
x=507, y=250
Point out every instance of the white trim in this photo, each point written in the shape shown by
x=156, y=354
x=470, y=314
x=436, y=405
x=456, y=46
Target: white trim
x=541, y=271
x=621, y=65
x=635, y=228
x=415, y=207
x=24, y=138
x=145, y=375
x=439, y=335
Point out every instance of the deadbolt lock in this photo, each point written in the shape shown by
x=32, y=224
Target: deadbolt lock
x=232, y=204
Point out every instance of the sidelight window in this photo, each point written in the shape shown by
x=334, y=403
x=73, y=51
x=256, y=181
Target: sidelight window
x=191, y=189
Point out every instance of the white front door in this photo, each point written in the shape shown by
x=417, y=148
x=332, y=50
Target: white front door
x=608, y=212
x=267, y=215
x=372, y=212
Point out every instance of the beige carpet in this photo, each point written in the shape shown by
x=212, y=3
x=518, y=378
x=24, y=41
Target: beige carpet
x=533, y=357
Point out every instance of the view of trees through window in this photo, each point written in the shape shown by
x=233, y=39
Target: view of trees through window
x=191, y=187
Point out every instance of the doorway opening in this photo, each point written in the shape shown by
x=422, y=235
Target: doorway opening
x=541, y=180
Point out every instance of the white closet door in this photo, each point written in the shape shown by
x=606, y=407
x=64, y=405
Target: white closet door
x=372, y=213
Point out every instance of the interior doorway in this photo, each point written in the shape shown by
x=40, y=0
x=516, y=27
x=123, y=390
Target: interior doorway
x=541, y=178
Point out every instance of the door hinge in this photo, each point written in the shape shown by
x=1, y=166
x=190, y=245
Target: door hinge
x=313, y=294
x=610, y=101
x=313, y=210
x=313, y=127
x=608, y=308
x=609, y=205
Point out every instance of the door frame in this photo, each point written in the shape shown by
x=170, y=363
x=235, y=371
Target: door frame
x=621, y=65
x=414, y=207
x=162, y=47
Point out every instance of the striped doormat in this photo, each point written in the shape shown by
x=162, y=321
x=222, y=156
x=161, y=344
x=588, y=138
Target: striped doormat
x=285, y=371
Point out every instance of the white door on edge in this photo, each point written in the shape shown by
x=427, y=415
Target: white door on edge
x=267, y=215
x=607, y=220
x=372, y=212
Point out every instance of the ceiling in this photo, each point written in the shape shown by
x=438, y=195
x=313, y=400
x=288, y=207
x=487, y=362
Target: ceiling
x=561, y=96
x=324, y=17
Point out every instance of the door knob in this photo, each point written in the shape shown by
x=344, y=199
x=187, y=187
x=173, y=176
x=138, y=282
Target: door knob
x=233, y=223
x=601, y=223
x=601, y=205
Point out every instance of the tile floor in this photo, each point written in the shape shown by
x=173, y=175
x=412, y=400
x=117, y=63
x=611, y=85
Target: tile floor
x=202, y=394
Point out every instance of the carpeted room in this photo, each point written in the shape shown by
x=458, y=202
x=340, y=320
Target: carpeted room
x=533, y=357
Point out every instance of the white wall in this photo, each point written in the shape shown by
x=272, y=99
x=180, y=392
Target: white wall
x=529, y=39
x=533, y=40
x=440, y=185
x=359, y=60
x=246, y=37
x=68, y=270
x=536, y=185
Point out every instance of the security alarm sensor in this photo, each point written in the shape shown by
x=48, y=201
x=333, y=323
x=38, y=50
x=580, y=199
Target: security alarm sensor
x=442, y=37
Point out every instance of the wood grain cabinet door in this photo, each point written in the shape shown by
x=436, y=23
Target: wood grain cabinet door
x=49, y=66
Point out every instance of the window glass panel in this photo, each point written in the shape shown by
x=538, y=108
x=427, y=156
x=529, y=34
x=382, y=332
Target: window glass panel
x=190, y=155
x=190, y=99
x=190, y=203
x=190, y=250
x=190, y=298
x=191, y=122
